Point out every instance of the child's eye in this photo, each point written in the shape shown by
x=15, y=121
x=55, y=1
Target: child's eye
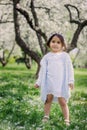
x=58, y=42
x=53, y=41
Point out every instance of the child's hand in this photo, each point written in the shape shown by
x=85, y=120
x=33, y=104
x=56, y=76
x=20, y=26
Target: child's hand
x=71, y=86
x=36, y=86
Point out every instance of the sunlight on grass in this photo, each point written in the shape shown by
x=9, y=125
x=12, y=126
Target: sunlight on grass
x=22, y=109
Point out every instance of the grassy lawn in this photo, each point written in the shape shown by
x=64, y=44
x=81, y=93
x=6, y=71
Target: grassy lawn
x=22, y=109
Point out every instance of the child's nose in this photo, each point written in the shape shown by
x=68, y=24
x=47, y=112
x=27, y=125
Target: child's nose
x=55, y=43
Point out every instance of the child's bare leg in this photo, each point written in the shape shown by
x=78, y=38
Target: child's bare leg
x=47, y=104
x=64, y=107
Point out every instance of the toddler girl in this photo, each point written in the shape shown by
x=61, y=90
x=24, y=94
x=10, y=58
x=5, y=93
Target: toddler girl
x=56, y=77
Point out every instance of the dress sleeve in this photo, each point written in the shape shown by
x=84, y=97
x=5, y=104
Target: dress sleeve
x=41, y=72
x=70, y=71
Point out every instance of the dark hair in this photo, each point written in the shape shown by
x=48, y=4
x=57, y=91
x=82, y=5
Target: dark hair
x=60, y=37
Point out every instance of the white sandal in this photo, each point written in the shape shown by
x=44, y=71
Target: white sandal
x=45, y=119
x=67, y=122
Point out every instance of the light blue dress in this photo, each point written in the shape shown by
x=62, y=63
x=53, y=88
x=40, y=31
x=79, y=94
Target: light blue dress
x=55, y=74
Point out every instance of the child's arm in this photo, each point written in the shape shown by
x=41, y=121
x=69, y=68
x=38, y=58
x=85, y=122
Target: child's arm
x=38, y=82
x=41, y=73
x=70, y=73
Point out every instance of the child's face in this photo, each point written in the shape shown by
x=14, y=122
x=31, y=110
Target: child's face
x=56, y=45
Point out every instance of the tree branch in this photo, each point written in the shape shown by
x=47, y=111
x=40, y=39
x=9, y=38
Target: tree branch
x=4, y=60
x=70, y=14
x=6, y=4
x=39, y=33
x=34, y=13
x=10, y=52
x=29, y=21
x=80, y=26
x=34, y=27
x=2, y=22
x=47, y=10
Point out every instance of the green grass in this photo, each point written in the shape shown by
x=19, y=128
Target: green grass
x=22, y=109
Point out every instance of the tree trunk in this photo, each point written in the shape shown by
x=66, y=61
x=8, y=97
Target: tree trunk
x=20, y=41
